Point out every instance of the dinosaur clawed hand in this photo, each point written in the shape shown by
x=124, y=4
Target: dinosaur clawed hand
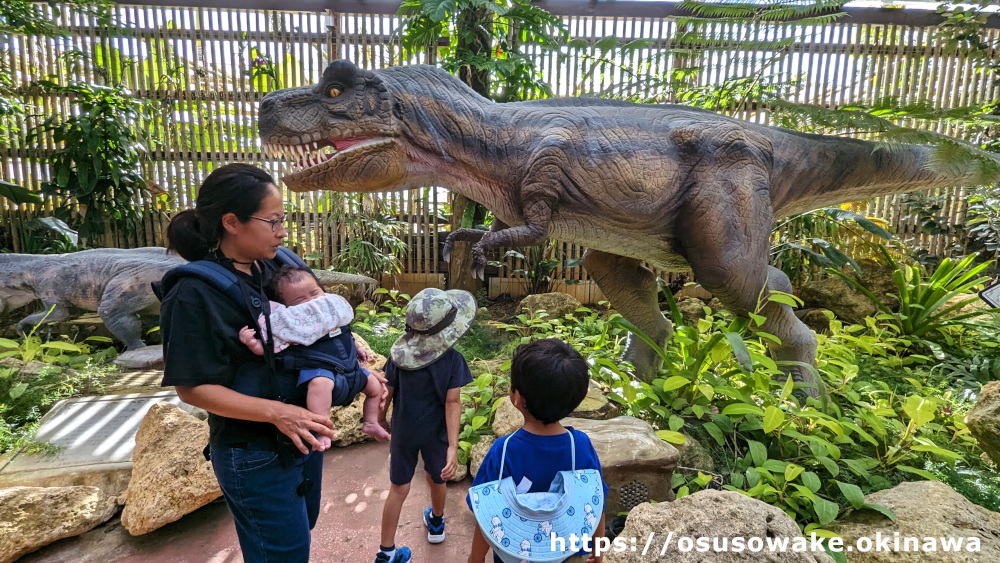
x=478, y=268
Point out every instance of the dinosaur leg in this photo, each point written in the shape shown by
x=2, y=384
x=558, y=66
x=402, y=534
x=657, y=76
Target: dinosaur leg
x=632, y=291
x=726, y=241
x=123, y=299
x=467, y=235
x=53, y=313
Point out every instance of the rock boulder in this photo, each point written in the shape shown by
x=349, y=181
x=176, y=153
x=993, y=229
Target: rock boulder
x=719, y=516
x=984, y=420
x=557, y=305
x=170, y=476
x=923, y=509
x=33, y=517
x=637, y=465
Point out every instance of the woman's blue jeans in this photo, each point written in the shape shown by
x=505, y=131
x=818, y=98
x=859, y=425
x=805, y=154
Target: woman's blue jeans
x=273, y=521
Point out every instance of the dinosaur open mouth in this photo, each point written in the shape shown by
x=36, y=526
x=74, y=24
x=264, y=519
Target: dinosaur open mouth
x=310, y=155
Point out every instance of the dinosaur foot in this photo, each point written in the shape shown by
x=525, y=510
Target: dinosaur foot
x=805, y=383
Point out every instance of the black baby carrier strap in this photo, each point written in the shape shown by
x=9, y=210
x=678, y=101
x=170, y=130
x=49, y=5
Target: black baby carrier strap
x=222, y=276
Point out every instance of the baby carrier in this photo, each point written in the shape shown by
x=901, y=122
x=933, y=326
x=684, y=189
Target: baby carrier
x=274, y=385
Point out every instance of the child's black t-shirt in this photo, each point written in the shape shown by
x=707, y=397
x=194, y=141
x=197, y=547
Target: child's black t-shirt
x=419, y=396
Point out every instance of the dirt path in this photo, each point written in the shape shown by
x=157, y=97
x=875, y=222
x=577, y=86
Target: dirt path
x=355, y=482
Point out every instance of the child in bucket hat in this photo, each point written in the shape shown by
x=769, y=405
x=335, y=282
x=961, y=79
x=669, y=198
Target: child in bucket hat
x=425, y=376
x=543, y=483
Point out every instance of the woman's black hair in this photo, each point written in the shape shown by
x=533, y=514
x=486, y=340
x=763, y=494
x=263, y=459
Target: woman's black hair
x=552, y=377
x=234, y=188
x=288, y=274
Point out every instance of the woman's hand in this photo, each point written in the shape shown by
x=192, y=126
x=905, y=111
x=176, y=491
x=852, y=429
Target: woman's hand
x=298, y=424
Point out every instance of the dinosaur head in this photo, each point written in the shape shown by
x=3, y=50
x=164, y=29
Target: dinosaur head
x=339, y=134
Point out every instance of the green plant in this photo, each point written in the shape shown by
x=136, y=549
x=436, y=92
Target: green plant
x=485, y=42
x=824, y=238
x=375, y=247
x=925, y=306
x=71, y=369
x=47, y=235
x=480, y=404
x=539, y=266
x=97, y=165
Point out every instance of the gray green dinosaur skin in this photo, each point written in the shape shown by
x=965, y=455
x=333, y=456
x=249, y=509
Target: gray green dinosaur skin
x=680, y=188
x=114, y=282
x=111, y=281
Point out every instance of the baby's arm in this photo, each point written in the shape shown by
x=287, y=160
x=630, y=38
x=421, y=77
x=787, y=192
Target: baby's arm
x=249, y=339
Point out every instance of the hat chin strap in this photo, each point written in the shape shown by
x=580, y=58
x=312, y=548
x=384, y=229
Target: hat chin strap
x=441, y=325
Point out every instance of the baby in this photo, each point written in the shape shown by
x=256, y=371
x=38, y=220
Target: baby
x=305, y=315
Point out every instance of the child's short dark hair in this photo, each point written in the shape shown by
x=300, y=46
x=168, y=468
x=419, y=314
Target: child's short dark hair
x=551, y=376
x=288, y=274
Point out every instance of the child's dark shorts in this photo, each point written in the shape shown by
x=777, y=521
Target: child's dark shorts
x=403, y=459
x=345, y=387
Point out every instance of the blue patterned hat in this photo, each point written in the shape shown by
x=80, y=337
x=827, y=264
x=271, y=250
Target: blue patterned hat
x=522, y=527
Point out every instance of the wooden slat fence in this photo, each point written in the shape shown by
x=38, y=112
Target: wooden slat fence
x=196, y=65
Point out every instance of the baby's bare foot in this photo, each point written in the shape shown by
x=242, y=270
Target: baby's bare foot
x=324, y=443
x=374, y=430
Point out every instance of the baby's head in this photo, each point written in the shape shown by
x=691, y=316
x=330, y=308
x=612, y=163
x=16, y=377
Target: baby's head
x=552, y=378
x=294, y=285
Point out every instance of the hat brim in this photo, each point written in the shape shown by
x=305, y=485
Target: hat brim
x=525, y=533
x=414, y=351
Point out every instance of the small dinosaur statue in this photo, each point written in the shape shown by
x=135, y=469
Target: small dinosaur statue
x=114, y=282
x=680, y=188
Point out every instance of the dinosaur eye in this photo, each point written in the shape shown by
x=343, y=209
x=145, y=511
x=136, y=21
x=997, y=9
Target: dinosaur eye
x=334, y=92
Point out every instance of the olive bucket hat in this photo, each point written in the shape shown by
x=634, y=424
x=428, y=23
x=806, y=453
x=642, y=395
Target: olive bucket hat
x=435, y=320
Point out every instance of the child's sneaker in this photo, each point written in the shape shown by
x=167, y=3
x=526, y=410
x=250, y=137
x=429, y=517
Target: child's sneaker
x=435, y=526
x=402, y=555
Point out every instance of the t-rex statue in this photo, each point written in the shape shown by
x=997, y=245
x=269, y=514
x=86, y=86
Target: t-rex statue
x=679, y=188
x=114, y=282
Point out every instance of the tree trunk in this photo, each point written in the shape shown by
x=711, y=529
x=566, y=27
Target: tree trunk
x=477, y=21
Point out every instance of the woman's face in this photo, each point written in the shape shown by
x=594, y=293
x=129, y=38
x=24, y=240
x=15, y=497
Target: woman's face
x=257, y=239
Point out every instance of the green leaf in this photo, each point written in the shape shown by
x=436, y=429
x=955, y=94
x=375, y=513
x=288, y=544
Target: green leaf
x=671, y=436
x=787, y=389
x=675, y=422
x=758, y=452
x=938, y=451
x=18, y=390
x=792, y=471
x=830, y=465
x=478, y=422
x=811, y=480
x=852, y=493
x=925, y=474
x=920, y=409
x=18, y=195
x=773, y=417
x=885, y=510
x=64, y=346
x=715, y=432
x=740, y=351
x=742, y=408
x=7, y=343
x=826, y=511
x=674, y=382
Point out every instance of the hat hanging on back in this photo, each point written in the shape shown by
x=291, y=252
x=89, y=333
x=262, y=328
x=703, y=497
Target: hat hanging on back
x=435, y=320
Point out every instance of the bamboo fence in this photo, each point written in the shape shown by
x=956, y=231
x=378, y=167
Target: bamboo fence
x=196, y=64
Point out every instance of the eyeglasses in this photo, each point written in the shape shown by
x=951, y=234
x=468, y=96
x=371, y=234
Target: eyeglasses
x=275, y=223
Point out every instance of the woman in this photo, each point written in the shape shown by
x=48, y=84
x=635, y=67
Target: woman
x=263, y=450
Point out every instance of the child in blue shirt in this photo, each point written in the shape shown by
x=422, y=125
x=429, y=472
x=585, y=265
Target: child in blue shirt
x=548, y=380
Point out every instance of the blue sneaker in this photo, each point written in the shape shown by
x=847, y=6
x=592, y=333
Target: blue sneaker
x=435, y=527
x=402, y=555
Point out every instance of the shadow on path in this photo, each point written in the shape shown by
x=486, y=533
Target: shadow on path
x=355, y=483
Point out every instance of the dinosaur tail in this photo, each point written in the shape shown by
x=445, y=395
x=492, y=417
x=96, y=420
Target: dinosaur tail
x=813, y=171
